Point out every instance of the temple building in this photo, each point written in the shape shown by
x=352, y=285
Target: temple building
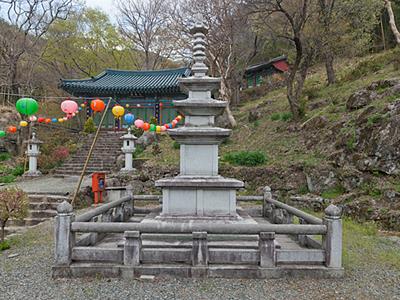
x=145, y=94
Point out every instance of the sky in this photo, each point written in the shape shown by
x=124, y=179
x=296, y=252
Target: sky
x=108, y=6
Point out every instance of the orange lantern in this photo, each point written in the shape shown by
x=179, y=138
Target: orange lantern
x=97, y=105
x=146, y=126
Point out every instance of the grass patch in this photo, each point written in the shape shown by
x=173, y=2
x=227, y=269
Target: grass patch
x=332, y=193
x=245, y=158
x=7, y=179
x=285, y=116
x=363, y=245
x=4, y=245
x=5, y=156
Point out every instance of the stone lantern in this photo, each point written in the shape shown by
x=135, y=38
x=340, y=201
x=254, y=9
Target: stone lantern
x=33, y=153
x=128, y=148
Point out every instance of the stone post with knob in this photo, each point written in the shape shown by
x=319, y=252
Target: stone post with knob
x=332, y=241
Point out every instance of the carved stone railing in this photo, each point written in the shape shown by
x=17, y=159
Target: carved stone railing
x=111, y=217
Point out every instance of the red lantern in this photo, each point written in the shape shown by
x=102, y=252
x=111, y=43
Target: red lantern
x=97, y=105
x=12, y=129
x=166, y=126
x=41, y=120
x=146, y=126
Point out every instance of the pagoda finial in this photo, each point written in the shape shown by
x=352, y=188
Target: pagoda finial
x=199, y=31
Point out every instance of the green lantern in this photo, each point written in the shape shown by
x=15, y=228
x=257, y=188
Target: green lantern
x=2, y=133
x=27, y=106
x=152, y=127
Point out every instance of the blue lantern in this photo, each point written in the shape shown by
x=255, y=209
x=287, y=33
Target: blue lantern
x=54, y=120
x=129, y=119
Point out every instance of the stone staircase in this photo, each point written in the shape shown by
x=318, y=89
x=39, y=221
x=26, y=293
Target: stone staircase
x=41, y=208
x=104, y=156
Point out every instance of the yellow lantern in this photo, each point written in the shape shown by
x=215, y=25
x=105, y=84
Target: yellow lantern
x=118, y=111
x=83, y=105
x=60, y=120
x=23, y=123
x=158, y=129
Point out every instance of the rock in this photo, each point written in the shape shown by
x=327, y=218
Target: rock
x=320, y=180
x=222, y=121
x=318, y=104
x=361, y=99
x=8, y=116
x=254, y=114
x=391, y=196
x=147, y=277
x=315, y=123
x=13, y=255
x=147, y=138
x=120, y=161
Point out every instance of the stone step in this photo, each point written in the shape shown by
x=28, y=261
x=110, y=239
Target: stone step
x=42, y=198
x=26, y=221
x=43, y=206
x=42, y=214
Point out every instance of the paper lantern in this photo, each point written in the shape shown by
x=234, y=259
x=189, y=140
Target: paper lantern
x=158, y=129
x=65, y=118
x=60, y=120
x=152, y=127
x=12, y=129
x=97, y=105
x=27, y=106
x=54, y=120
x=129, y=118
x=127, y=106
x=23, y=123
x=118, y=111
x=163, y=128
x=41, y=120
x=32, y=118
x=83, y=105
x=2, y=133
x=69, y=107
x=47, y=121
x=139, y=123
x=146, y=126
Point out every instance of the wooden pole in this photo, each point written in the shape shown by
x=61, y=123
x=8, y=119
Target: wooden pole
x=90, y=153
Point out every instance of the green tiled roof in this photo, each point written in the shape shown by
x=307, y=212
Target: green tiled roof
x=124, y=83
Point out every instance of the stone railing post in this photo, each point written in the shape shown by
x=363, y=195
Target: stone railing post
x=266, y=247
x=64, y=237
x=267, y=209
x=200, y=249
x=129, y=205
x=302, y=239
x=132, y=248
x=332, y=242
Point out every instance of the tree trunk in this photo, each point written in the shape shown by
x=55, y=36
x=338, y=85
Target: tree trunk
x=330, y=71
x=225, y=95
x=2, y=233
x=392, y=21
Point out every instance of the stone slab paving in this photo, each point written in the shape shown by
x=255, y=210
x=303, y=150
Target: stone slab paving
x=51, y=185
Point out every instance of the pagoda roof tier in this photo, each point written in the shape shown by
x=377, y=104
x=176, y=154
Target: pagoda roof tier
x=127, y=83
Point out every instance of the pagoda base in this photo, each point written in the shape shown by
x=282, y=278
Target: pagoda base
x=190, y=196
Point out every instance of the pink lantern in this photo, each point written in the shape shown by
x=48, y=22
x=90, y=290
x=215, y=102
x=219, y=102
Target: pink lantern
x=69, y=107
x=65, y=118
x=163, y=128
x=32, y=118
x=139, y=123
x=174, y=122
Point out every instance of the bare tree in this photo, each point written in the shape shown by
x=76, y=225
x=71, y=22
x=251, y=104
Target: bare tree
x=23, y=24
x=392, y=22
x=287, y=19
x=147, y=25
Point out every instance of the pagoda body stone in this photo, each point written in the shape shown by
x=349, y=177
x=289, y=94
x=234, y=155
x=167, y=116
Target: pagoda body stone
x=198, y=190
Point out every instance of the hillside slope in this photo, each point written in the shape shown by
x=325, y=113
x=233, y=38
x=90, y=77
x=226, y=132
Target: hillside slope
x=344, y=150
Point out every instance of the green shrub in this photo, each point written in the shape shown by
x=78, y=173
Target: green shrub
x=18, y=171
x=275, y=116
x=285, y=116
x=245, y=158
x=5, y=156
x=139, y=150
x=7, y=179
x=89, y=126
x=176, y=145
x=4, y=245
x=153, y=120
x=374, y=119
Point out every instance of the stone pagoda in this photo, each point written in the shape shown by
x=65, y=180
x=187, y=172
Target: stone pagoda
x=198, y=191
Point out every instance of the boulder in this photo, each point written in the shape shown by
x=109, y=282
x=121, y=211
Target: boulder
x=254, y=114
x=361, y=99
x=147, y=138
x=315, y=123
x=9, y=117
